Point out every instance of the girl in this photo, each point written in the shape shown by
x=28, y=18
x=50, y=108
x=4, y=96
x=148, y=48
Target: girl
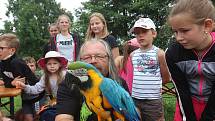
x=123, y=63
x=53, y=31
x=191, y=59
x=97, y=28
x=53, y=66
x=65, y=43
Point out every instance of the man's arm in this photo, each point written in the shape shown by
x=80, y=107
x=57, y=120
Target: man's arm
x=69, y=100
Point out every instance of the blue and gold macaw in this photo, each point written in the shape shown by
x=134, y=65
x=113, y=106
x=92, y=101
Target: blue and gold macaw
x=101, y=93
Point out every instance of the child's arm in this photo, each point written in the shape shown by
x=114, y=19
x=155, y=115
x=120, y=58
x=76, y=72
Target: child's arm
x=35, y=89
x=165, y=74
x=118, y=62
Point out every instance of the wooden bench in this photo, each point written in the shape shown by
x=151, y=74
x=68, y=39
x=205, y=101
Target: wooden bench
x=10, y=93
x=169, y=89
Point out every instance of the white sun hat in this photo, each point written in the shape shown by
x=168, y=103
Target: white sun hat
x=145, y=23
x=52, y=54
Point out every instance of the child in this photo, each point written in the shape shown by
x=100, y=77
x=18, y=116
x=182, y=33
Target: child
x=14, y=69
x=65, y=43
x=97, y=28
x=53, y=65
x=31, y=62
x=191, y=59
x=149, y=71
x=123, y=63
x=53, y=31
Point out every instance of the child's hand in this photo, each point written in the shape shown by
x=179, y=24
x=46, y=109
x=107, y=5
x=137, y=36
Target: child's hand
x=1, y=82
x=19, y=82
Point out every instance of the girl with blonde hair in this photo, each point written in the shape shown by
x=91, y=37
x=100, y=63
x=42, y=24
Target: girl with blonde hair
x=97, y=28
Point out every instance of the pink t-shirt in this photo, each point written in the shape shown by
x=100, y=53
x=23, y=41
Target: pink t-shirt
x=127, y=76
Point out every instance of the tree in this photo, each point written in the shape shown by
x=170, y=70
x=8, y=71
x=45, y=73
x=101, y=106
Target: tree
x=30, y=21
x=121, y=15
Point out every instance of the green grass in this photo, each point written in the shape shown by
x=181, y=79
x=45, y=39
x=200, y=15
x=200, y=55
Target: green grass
x=169, y=106
x=168, y=101
x=17, y=105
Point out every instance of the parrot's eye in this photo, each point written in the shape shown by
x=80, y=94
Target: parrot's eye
x=91, y=57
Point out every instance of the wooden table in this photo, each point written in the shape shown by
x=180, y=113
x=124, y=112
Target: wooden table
x=11, y=93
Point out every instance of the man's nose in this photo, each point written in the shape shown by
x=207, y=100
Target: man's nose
x=93, y=59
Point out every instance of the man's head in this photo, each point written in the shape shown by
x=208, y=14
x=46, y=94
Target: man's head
x=9, y=44
x=97, y=52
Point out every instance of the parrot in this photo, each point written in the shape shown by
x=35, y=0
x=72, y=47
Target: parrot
x=101, y=92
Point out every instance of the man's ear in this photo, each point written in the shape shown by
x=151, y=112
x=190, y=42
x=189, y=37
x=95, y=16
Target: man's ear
x=209, y=25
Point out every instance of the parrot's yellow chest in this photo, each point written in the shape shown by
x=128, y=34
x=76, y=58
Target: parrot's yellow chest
x=93, y=96
x=94, y=99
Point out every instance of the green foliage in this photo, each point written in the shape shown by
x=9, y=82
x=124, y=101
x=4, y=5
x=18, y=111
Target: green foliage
x=30, y=22
x=121, y=15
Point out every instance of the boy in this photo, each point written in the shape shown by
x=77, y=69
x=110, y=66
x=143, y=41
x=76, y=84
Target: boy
x=31, y=62
x=14, y=69
x=149, y=71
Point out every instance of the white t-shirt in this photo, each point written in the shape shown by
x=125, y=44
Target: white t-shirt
x=65, y=46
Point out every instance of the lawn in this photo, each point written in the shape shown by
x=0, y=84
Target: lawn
x=169, y=106
x=168, y=101
x=17, y=104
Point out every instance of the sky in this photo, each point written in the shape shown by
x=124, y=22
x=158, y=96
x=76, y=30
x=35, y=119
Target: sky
x=70, y=5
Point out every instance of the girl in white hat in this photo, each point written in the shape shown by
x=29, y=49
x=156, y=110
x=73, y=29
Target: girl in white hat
x=53, y=65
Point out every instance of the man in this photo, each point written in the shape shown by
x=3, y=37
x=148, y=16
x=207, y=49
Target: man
x=97, y=53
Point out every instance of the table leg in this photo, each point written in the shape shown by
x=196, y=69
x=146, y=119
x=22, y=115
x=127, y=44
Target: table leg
x=12, y=107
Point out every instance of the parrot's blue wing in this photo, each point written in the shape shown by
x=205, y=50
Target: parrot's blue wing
x=119, y=99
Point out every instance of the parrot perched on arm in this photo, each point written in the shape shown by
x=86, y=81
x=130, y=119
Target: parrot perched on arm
x=101, y=93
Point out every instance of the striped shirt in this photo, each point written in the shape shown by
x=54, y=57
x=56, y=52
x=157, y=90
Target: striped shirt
x=147, y=81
